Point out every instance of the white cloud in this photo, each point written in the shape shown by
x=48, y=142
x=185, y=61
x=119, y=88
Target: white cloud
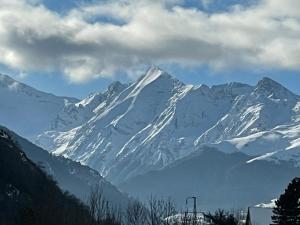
x=147, y=32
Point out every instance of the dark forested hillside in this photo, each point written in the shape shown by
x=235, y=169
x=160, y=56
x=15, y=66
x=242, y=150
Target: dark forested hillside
x=28, y=195
x=71, y=176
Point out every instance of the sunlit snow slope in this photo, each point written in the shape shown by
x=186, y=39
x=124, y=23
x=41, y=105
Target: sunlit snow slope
x=27, y=110
x=131, y=129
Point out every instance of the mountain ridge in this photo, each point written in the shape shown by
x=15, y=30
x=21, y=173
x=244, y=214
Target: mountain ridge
x=169, y=117
x=7, y=81
x=22, y=104
x=157, y=120
x=219, y=180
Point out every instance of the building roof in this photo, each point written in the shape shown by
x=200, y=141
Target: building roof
x=260, y=214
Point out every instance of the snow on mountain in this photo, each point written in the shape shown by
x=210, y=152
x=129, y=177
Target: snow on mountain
x=281, y=143
x=266, y=107
x=158, y=119
x=125, y=118
x=133, y=128
x=77, y=113
x=264, y=124
x=21, y=105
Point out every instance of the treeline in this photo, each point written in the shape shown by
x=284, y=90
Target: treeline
x=99, y=211
x=136, y=213
x=155, y=211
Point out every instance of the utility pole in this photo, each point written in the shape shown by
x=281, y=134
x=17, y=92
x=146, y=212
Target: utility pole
x=194, y=208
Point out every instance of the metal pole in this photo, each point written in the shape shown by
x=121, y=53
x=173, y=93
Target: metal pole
x=195, y=211
x=194, y=208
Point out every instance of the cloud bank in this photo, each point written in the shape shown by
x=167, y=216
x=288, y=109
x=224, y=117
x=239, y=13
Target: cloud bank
x=102, y=38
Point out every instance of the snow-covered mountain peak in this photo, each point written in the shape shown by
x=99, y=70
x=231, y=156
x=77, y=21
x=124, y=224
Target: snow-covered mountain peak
x=116, y=86
x=268, y=83
x=272, y=89
x=21, y=104
x=12, y=85
x=154, y=80
x=155, y=73
x=6, y=81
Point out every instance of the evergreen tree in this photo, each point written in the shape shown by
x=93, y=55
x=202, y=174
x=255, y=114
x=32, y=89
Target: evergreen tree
x=287, y=210
x=222, y=218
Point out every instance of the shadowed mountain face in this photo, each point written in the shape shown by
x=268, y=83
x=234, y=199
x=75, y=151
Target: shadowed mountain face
x=70, y=176
x=220, y=180
x=28, y=195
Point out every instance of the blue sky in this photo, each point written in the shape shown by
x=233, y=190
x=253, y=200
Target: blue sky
x=95, y=52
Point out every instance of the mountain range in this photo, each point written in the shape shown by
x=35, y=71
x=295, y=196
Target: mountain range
x=132, y=129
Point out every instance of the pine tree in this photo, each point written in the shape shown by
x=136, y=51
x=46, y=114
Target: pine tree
x=287, y=210
x=222, y=218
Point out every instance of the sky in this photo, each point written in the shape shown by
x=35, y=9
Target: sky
x=73, y=48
